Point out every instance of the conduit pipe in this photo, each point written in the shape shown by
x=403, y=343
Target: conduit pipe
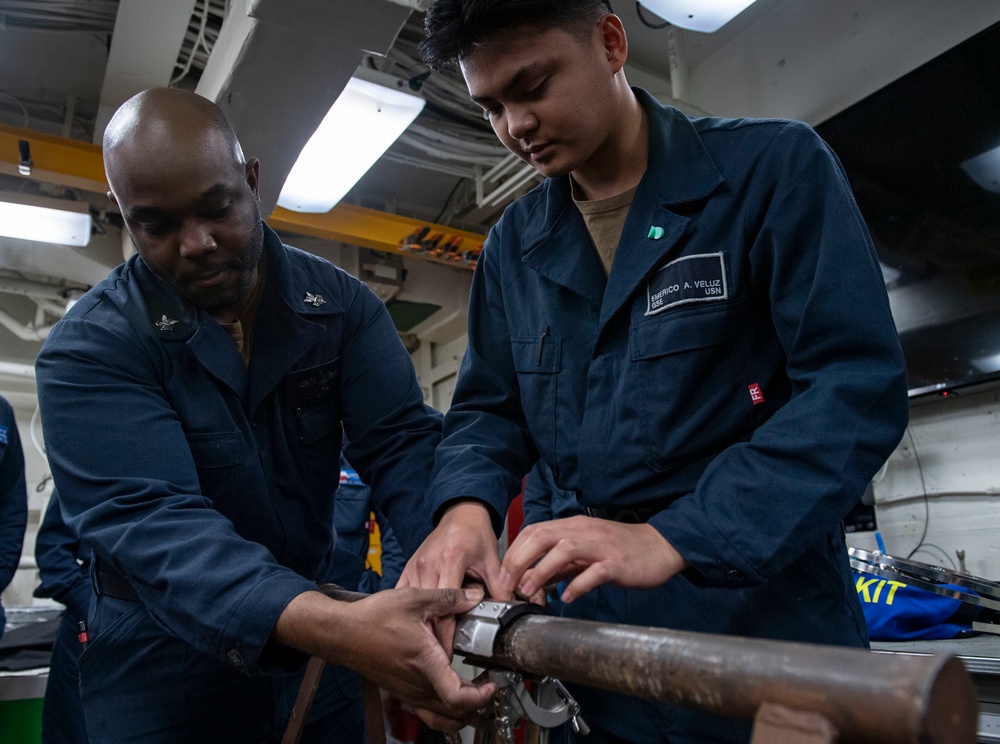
x=678, y=67
x=12, y=369
x=25, y=332
x=11, y=285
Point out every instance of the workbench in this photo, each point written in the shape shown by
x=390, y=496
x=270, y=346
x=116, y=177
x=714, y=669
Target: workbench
x=981, y=656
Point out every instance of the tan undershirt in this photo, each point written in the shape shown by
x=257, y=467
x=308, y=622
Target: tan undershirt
x=605, y=219
x=241, y=329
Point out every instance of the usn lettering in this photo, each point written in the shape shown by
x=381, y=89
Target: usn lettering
x=708, y=287
x=711, y=286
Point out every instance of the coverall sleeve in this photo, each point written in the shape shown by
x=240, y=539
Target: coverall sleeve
x=128, y=483
x=485, y=418
x=56, y=550
x=392, y=434
x=761, y=501
x=13, y=496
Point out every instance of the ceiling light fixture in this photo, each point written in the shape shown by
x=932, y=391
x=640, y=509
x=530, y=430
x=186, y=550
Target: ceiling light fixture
x=362, y=124
x=705, y=16
x=45, y=220
x=984, y=169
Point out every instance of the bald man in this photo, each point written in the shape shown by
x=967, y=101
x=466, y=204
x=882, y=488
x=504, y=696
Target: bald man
x=193, y=407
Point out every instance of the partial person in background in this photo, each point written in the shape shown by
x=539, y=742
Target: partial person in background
x=64, y=567
x=13, y=499
x=352, y=515
x=353, y=512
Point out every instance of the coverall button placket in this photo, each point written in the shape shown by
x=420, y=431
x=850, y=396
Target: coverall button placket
x=235, y=658
x=735, y=577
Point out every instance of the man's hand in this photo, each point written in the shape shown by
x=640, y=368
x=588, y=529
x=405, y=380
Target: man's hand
x=462, y=547
x=595, y=551
x=389, y=639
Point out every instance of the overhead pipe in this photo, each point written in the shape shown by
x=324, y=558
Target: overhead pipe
x=509, y=162
x=11, y=285
x=24, y=331
x=510, y=186
x=12, y=369
x=678, y=67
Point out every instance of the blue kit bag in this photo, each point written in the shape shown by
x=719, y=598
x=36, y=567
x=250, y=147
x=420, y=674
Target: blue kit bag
x=896, y=611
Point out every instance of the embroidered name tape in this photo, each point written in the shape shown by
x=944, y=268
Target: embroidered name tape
x=699, y=278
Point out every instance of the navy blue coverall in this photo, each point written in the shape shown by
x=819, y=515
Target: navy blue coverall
x=64, y=567
x=13, y=499
x=734, y=381
x=205, y=487
x=544, y=499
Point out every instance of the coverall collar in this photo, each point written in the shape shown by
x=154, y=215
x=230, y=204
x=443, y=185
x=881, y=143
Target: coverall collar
x=283, y=324
x=554, y=225
x=285, y=320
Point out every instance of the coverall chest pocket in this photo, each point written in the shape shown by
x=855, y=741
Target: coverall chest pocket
x=537, y=363
x=682, y=331
x=686, y=364
x=217, y=456
x=312, y=423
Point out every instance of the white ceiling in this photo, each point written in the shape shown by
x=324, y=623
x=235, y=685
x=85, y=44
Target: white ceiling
x=275, y=66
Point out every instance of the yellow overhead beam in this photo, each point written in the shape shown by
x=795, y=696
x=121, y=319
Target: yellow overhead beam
x=382, y=231
x=64, y=162
x=80, y=165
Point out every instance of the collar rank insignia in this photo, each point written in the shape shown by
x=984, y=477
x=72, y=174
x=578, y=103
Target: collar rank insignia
x=166, y=324
x=314, y=299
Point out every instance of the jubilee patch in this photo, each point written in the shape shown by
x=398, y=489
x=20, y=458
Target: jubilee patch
x=699, y=278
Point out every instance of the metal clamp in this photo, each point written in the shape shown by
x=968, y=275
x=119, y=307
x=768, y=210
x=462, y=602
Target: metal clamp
x=551, y=705
x=476, y=631
x=547, y=704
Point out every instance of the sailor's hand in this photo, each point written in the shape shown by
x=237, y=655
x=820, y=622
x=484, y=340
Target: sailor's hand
x=461, y=551
x=591, y=552
x=389, y=639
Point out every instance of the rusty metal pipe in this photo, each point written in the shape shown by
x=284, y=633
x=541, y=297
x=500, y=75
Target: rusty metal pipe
x=868, y=697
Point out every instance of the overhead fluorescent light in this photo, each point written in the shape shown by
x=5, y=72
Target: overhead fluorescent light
x=44, y=219
x=706, y=16
x=984, y=169
x=360, y=126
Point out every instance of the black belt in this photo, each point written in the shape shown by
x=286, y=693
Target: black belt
x=110, y=583
x=636, y=515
